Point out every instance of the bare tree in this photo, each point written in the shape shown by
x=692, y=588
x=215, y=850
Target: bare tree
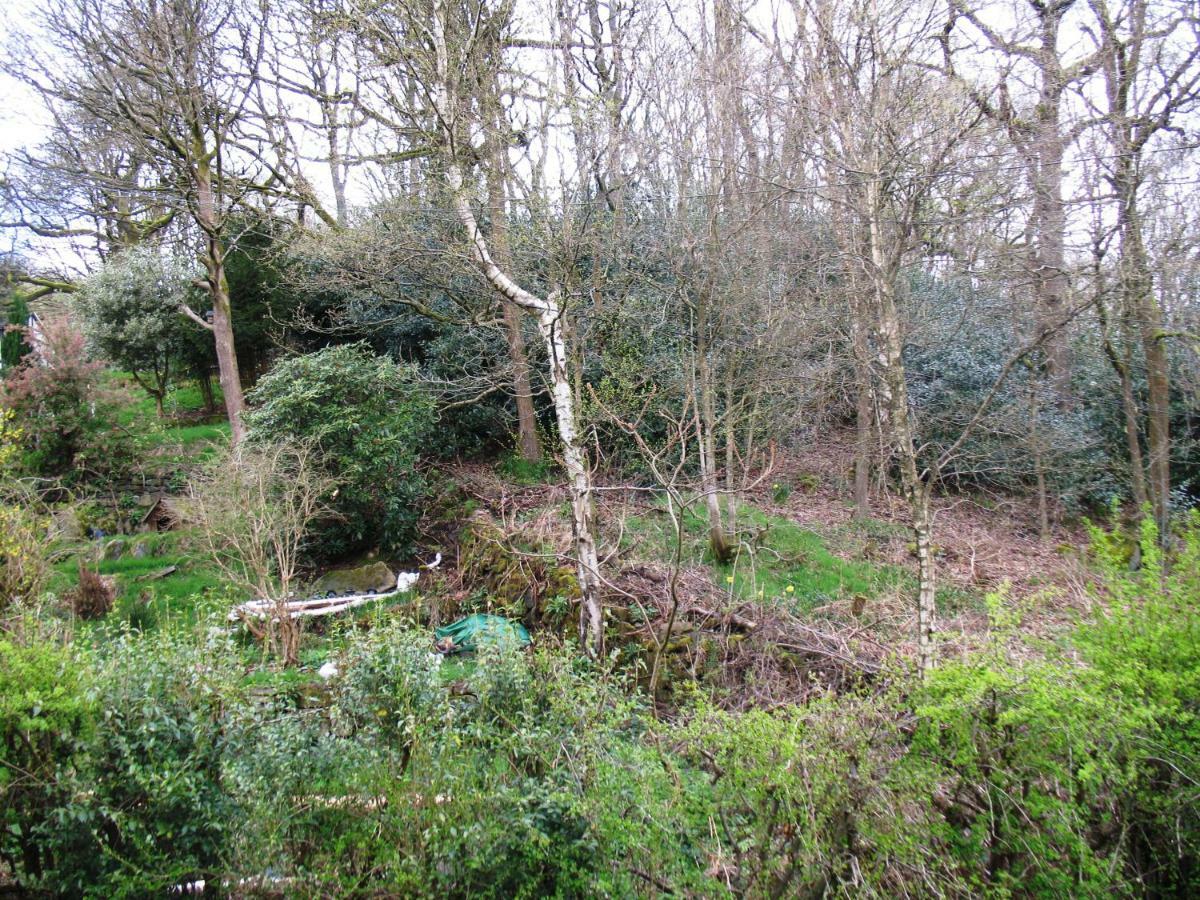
x=433, y=70
x=1034, y=62
x=253, y=510
x=172, y=84
x=1149, y=56
x=891, y=130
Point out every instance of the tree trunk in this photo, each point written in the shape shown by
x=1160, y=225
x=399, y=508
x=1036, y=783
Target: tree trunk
x=916, y=489
x=1138, y=294
x=718, y=541
x=551, y=323
x=528, y=443
x=1049, y=211
x=731, y=463
x=1122, y=364
x=864, y=417
x=926, y=578
x=218, y=288
x=1133, y=441
x=227, y=362
x=550, y=326
x=204, y=380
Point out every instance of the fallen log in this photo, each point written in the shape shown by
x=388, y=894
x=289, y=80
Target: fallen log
x=161, y=573
x=732, y=617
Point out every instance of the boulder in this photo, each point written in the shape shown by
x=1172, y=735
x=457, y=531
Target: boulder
x=374, y=576
x=65, y=524
x=113, y=549
x=141, y=550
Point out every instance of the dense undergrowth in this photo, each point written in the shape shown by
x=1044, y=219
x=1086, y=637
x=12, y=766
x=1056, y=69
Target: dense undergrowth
x=149, y=759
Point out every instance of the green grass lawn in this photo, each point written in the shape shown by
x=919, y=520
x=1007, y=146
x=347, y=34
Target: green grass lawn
x=140, y=601
x=795, y=567
x=184, y=401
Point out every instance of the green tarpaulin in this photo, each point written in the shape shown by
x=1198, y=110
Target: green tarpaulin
x=479, y=630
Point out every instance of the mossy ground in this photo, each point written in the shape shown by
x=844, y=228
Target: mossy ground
x=778, y=562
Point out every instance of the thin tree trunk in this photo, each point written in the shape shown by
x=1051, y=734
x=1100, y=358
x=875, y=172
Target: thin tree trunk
x=527, y=437
x=864, y=417
x=731, y=480
x=916, y=489
x=1138, y=294
x=550, y=326
x=1122, y=364
x=1039, y=469
x=551, y=322
x=1133, y=441
x=706, y=420
x=926, y=578
x=204, y=380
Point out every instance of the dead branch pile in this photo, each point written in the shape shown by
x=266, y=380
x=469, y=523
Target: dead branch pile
x=754, y=655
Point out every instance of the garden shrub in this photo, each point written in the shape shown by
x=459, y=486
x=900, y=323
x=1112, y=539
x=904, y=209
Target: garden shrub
x=24, y=556
x=1074, y=773
x=812, y=801
x=1022, y=757
x=151, y=810
x=1144, y=654
x=45, y=715
x=130, y=313
x=367, y=417
x=65, y=411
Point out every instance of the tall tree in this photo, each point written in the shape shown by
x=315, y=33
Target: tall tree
x=174, y=81
x=1035, y=77
x=1149, y=55
x=433, y=68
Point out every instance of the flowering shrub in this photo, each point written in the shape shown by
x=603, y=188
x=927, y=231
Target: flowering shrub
x=64, y=409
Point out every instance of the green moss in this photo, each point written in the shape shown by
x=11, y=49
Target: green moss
x=513, y=578
x=790, y=565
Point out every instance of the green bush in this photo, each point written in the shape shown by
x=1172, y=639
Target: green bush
x=44, y=716
x=67, y=412
x=368, y=417
x=814, y=801
x=1074, y=773
x=151, y=809
x=1145, y=653
x=130, y=313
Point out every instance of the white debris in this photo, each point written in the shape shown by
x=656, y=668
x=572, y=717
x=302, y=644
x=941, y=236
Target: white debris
x=320, y=606
x=327, y=671
x=437, y=561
